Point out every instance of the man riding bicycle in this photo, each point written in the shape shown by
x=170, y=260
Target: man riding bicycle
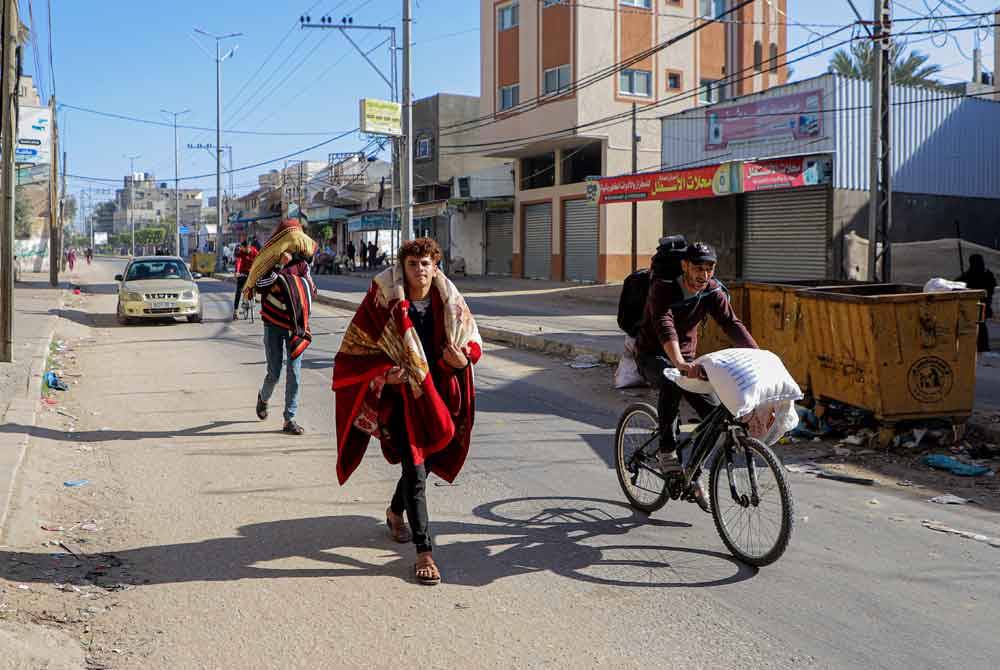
x=668, y=338
x=245, y=255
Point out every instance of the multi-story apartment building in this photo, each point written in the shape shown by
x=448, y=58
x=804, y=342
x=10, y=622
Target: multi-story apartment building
x=143, y=201
x=556, y=98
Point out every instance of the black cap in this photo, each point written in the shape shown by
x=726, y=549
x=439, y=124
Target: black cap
x=699, y=252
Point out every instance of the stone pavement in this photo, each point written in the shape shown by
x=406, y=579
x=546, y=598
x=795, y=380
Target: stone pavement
x=36, y=312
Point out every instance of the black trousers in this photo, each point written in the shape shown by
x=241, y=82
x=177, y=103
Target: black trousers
x=411, y=490
x=241, y=281
x=668, y=404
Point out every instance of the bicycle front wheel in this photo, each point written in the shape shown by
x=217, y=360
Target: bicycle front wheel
x=751, y=502
x=636, y=443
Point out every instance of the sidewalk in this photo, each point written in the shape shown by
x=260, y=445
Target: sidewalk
x=36, y=306
x=552, y=317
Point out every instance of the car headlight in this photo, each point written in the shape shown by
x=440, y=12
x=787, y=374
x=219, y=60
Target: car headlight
x=133, y=297
x=188, y=295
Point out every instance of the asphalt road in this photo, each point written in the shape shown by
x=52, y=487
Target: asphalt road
x=246, y=554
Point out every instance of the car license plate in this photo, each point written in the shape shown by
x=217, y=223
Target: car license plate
x=164, y=305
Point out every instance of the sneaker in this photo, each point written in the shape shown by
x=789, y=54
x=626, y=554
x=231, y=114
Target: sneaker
x=668, y=462
x=261, y=408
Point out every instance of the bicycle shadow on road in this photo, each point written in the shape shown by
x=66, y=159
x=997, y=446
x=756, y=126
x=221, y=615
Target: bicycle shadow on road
x=567, y=537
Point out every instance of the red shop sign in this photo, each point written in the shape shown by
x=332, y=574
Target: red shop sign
x=702, y=182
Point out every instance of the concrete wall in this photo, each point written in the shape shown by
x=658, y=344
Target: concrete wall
x=924, y=235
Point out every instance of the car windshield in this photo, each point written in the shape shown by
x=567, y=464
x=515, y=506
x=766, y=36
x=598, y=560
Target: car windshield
x=157, y=269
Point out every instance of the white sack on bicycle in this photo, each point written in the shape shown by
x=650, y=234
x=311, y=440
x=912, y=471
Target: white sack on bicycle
x=746, y=379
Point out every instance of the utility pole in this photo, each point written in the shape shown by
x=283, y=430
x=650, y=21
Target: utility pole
x=880, y=176
x=131, y=198
x=8, y=137
x=55, y=246
x=219, y=58
x=635, y=205
x=407, y=140
x=62, y=205
x=177, y=192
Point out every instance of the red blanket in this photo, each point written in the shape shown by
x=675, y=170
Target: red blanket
x=288, y=305
x=439, y=404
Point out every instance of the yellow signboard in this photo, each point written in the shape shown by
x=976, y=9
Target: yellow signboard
x=381, y=117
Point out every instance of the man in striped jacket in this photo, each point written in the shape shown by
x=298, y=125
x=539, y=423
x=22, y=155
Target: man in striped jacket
x=287, y=291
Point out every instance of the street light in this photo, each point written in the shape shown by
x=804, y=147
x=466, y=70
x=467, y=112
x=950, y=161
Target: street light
x=131, y=196
x=177, y=193
x=218, y=123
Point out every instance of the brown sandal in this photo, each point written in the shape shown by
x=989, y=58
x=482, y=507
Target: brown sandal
x=400, y=533
x=427, y=573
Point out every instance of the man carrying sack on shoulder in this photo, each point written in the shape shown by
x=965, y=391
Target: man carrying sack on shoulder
x=404, y=375
x=280, y=273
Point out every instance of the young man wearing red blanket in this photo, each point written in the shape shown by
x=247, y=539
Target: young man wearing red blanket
x=404, y=375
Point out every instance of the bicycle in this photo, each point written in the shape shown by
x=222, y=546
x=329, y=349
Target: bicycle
x=247, y=308
x=750, y=489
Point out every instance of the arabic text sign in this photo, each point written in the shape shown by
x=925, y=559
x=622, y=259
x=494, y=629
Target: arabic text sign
x=785, y=173
x=34, y=135
x=368, y=223
x=796, y=117
x=702, y=182
x=381, y=117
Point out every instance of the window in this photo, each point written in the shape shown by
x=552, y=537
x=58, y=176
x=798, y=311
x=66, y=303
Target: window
x=580, y=163
x=674, y=79
x=510, y=96
x=713, y=8
x=636, y=82
x=773, y=63
x=708, y=94
x=647, y=4
x=552, y=3
x=423, y=147
x=463, y=187
x=758, y=55
x=556, y=79
x=507, y=17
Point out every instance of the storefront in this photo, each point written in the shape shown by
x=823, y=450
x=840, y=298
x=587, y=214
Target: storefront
x=799, y=156
x=378, y=228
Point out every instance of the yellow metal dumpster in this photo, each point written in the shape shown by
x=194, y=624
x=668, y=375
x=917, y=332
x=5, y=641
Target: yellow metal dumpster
x=710, y=336
x=203, y=263
x=893, y=349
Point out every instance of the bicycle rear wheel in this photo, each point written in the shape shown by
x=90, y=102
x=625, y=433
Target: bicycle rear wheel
x=637, y=440
x=755, y=531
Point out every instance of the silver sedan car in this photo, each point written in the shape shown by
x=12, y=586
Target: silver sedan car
x=157, y=287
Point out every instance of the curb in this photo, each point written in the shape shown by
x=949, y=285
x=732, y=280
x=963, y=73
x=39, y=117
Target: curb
x=514, y=339
x=24, y=410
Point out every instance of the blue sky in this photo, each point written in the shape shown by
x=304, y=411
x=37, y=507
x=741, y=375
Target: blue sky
x=135, y=59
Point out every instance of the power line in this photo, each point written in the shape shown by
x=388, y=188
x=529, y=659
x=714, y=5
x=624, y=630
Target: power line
x=151, y=122
x=609, y=120
x=115, y=180
x=583, y=82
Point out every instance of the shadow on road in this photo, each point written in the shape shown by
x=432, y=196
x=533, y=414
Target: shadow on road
x=112, y=435
x=564, y=536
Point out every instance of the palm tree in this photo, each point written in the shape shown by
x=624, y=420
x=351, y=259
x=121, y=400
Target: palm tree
x=909, y=71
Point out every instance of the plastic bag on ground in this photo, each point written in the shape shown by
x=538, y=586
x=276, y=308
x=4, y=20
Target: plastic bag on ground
x=627, y=373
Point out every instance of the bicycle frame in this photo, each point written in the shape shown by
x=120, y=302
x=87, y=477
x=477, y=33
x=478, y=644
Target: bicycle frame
x=701, y=444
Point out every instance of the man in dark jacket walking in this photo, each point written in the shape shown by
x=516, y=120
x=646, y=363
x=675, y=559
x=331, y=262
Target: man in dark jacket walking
x=668, y=338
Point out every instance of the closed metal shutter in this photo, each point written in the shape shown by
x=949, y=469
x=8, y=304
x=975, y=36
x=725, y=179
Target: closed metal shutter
x=785, y=234
x=538, y=241
x=499, y=242
x=581, y=217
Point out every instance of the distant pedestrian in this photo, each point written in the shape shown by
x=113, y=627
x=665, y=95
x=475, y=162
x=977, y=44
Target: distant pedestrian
x=404, y=375
x=245, y=256
x=89, y=253
x=979, y=278
x=281, y=274
x=372, y=256
x=71, y=258
x=351, y=252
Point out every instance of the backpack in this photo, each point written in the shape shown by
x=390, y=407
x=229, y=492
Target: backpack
x=666, y=264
